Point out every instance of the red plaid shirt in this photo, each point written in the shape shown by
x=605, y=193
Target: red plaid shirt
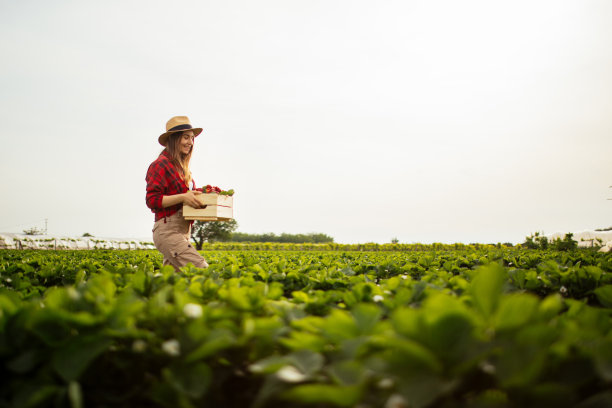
x=163, y=180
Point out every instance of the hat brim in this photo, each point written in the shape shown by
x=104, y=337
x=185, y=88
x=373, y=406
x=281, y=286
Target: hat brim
x=163, y=138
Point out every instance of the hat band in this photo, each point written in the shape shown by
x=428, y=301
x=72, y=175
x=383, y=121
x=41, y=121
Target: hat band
x=180, y=127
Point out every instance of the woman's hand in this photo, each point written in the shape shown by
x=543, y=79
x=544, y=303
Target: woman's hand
x=190, y=199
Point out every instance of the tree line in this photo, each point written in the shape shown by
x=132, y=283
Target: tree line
x=311, y=238
x=217, y=231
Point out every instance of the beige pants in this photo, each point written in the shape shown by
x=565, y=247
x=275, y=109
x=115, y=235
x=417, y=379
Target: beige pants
x=172, y=237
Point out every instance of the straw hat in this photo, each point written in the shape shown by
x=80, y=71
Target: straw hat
x=177, y=124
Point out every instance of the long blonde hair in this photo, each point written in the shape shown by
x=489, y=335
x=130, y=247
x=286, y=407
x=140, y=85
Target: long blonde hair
x=180, y=160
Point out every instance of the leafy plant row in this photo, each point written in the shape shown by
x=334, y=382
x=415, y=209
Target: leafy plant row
x=493, y=328
x=332, y=246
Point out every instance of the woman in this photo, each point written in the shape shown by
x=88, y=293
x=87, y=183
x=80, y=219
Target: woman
x=168, y=179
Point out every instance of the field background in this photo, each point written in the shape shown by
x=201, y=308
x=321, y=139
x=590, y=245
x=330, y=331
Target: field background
x=436, y=326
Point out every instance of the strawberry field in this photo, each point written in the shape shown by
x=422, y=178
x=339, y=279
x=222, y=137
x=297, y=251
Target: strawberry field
x=440, y=327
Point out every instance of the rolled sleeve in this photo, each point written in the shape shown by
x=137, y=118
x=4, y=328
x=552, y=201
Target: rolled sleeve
x=156, y=186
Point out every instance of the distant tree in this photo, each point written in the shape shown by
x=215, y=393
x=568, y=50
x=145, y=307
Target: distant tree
x=395, y=241
x=566, y=244
x=87, y=234
x=536, y=241
x=211, y=231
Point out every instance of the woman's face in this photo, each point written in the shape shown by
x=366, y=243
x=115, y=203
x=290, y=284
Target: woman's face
x=186, y=141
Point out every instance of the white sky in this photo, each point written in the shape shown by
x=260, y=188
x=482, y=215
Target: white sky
x=429, y=121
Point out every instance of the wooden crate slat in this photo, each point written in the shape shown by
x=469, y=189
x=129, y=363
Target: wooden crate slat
x=218, y=208
x=207, y=219
x=215, y=199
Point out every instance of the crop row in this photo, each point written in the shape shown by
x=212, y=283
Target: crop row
x=496, y=327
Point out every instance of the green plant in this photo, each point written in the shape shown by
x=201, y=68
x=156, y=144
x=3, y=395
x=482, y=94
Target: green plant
x=565, y=244
x=536, y=241
x=437, y=327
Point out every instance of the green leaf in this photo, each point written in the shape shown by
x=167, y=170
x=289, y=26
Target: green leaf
x=603, y=360
x=269, y=364
x=71, y=360
x=421, y=389
x=348, y=372
x=24, y=362
x=338, y=395
x=366, y=316
x=340, y=325
x=407, y=356
x=299, y=296
x=298, y=340
x=241, y=298
x=407, y=322
x=451, y=338
x=348, y=271
x=217, y=340
x=50, y=329
x=518, y=277
x=9, y=302
x=551, y=306
x=192, y=380
x=515, y=310
x=524, y=356
x=486, y=288
x=307, y=361
x=260, y=271
x=34, y=395
x=491, y=398
x=139, y=282
x=393, y=283
x=195, y=288
x=604, y=295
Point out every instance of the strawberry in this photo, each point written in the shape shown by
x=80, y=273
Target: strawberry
x=215, y=189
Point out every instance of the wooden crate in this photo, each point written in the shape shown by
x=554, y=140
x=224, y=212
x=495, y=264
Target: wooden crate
x=218, y=208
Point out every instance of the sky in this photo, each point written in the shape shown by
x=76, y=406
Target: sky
x=425, y=121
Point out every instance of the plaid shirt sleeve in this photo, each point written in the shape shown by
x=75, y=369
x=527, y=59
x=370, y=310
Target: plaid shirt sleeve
x=163, y=180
